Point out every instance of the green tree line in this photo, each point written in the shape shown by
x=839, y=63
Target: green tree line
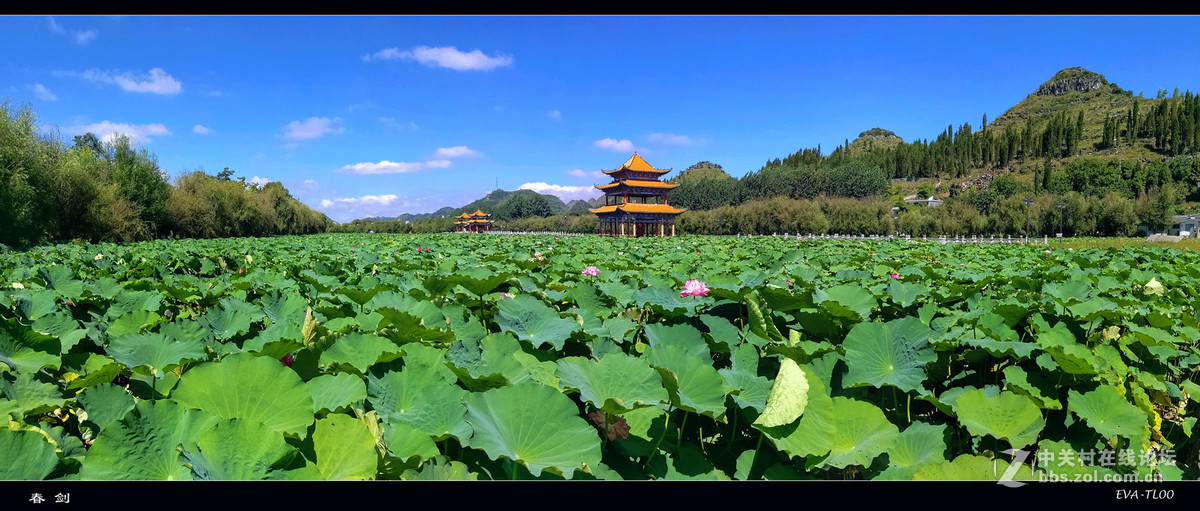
x=95, y=190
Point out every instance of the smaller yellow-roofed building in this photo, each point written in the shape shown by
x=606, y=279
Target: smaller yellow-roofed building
x=473, y=222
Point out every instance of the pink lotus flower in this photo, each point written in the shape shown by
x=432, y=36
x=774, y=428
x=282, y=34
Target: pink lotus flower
x=508, y=295
x=694, y=288
x=895, y=275
x=591, y=271
x=287, y=360
x=935, y=261
x=1045, y=251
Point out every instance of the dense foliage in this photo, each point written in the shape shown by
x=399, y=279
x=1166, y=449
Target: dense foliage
x=95, y=190
x=505, y=357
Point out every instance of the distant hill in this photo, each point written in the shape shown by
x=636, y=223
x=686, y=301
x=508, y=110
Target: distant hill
x=874, y=139
x=700, y=171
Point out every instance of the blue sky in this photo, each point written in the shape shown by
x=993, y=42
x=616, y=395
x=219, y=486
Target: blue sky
x=381, y=115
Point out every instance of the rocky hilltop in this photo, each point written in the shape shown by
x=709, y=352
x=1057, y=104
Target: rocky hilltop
x=1072, y=79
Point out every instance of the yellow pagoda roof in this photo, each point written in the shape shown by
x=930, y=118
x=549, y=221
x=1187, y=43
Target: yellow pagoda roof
x=637, y=182
x=636, y=162
x=638, y=208
x=479, y=212
x=464, y=215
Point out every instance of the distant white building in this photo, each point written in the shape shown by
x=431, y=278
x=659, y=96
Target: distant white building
x=931, y=202
x=1185, y=225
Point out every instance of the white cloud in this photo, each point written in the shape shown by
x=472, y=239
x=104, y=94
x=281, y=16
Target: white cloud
x=623, y=146
x=43, y=93
x=364, y=104
x=55, y=27
x=200, y=129
x=84, y=37
x=310, y=128
x=310, y=182
x=389, y=167
x=260, y=181
x=566, y=193
x=554, y=114
x=81, y=37
x=441, y=164
x=108, y=131
x=584, y=173
x=456, y=152
x=156, y=81
x=669, y=138
x=444, y=56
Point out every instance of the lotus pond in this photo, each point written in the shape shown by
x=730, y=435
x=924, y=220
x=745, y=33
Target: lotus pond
x=456, y=356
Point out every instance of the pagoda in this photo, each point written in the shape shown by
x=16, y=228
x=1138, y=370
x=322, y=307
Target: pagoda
x=473, y=222
x=635, y=202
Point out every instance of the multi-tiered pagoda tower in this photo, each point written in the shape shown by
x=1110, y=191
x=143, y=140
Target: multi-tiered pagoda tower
x=635, y=202
x=473, y=222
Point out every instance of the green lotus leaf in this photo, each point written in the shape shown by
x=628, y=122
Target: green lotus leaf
x=244, y=386
x=145, y=444
x=1109, y=413
x=685, y=336
x=62, y=326
x=663, y=297
x=892, y=353
x=849, y=301
x=749, y=390
x=238, y=450
x=26, y=351
x=919, y=443
x=550, y=436
x=231, y=318
x=359, y=350
x=1008, y=416
x=616, y=383
x=333, y=391
x=692, y=383
x=722, y=331
x=761, y=321
x=344, y=449
x=405, y=441
x=1078, y=289
x=29, y=457
x=284, y=308
x=860, y=433
x=905, y=294
x=440, y=468
x=129, y=301
x=1065, y=465
x=154, y=350
x=646, y=426
x=105, y=404
x=412, y=397
x=33, y=304
x=968, y=467
x=1039, y=389
x=131, y=323
x=30, y=395
x=688, y=463
x=812, y=435
x=96, y=370
x=61, y=279
x=533, y=321
x=788, y=397
x=488, y=363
